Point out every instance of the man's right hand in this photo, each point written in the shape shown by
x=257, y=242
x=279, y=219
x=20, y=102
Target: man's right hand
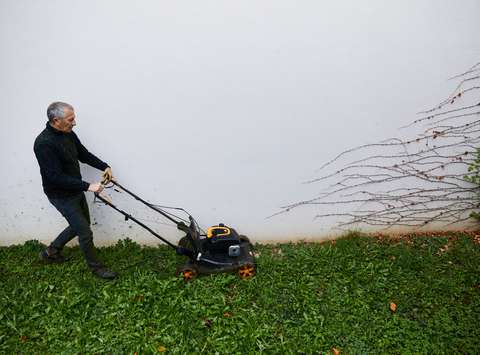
x=95, y=187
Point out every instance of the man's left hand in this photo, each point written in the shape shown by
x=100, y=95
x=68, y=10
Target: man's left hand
x=107, y=176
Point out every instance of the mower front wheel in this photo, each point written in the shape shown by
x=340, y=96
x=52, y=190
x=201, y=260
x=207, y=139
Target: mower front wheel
x=247, y=271
x=187, y=272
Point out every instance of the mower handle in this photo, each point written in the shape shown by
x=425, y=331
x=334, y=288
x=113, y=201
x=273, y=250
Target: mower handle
x=147, y=204
x=128, y=216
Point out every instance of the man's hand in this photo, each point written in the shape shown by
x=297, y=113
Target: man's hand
x=107, y=176
x=95, y=187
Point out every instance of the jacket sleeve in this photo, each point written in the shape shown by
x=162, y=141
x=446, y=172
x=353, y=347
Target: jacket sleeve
x=51, y=169
x=88, y=158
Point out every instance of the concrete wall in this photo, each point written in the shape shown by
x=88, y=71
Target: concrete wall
x=221, y=107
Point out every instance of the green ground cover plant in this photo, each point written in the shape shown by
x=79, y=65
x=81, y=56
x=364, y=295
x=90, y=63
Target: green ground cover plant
x=307, y=298
x=474, y=178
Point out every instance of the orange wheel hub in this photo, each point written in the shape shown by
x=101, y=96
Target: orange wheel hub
x=246, y=271
x=188, y=275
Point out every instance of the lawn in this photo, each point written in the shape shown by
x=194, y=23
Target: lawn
x=357, y=295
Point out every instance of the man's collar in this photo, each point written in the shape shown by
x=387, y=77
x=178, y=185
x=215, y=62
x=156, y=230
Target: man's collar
x=53, y=129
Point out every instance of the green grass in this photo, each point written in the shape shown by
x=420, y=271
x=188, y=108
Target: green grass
x=306, y=298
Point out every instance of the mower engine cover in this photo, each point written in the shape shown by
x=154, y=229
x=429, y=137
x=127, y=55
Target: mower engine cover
x=223, y=239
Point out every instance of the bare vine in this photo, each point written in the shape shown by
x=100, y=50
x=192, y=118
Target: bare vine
x=430, y=169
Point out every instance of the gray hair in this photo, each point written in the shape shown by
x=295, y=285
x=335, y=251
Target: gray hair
x=57, y=110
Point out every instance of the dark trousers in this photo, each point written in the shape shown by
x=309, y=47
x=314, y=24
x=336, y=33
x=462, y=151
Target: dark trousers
x=75, y=211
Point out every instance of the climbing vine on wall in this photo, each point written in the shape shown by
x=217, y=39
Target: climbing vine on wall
x=429, y=178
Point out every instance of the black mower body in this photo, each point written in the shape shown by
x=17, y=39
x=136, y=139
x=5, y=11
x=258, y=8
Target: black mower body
x=216, y=252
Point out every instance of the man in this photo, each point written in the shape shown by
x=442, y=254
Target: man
x=58, y=151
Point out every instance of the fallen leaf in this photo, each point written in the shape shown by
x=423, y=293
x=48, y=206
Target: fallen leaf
x=227, y=314
x=23, y=338
x=476, y=239
x=161, y=349
x=393, y=307
x=335, y=351
x=207, y=323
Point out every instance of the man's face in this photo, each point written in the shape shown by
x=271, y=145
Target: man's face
x=66, y=124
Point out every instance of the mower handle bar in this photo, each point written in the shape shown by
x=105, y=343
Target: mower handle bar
x=178, y=223
x=128, y=216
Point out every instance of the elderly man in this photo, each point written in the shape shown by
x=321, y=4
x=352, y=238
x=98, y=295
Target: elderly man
x=58, y=151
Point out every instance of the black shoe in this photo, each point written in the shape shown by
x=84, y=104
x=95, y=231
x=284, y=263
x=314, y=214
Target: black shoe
x=52, y=255
x=104, y=273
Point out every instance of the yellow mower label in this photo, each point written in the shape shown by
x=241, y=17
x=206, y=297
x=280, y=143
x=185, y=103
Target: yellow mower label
x=217, y=231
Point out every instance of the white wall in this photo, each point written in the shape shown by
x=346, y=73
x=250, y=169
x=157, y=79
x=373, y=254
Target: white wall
x=222, y=107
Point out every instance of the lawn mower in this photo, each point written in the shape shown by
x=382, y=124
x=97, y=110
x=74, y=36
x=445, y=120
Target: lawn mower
x=221, y=249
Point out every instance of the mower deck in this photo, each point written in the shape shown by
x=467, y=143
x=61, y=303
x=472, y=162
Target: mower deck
x=212, y=263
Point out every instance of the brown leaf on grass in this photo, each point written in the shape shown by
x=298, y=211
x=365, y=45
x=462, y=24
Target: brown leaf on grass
x=442, y=249
x=207, y=323
x=227, y=314
x=335, y=351
x=23, y=338
x=476, y=239
x=393, y=307
x=161, y=349
x=447, y=246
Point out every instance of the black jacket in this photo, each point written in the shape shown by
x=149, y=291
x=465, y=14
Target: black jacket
x=58, y=154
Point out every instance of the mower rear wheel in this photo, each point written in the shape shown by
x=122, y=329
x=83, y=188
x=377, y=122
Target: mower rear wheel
x=247, y=271
x=187, y=272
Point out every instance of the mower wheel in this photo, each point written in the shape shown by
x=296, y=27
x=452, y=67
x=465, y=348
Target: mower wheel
x=187, y=272
x=247, y=271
